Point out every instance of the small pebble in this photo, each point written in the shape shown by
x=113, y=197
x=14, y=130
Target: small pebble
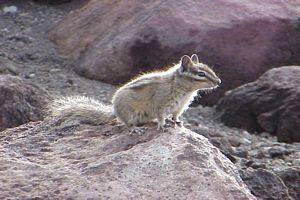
x=234, y=141
x=31, y=75
x=278, y=151
x=246, y=141
x=241, y=153
x=54, y=70
x=296, y=162
x=70, y=81
x=10, y=9
x=5, y=30
x=256, y=165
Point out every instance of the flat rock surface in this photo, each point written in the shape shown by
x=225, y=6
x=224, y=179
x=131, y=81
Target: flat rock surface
x=49, y=160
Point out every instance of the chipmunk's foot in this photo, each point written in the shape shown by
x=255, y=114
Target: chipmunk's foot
x=137, y=130
x=162, y=128
x=166, y=126
x=170, y=122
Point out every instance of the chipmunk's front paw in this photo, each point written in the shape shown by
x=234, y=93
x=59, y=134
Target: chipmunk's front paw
x=177, y=122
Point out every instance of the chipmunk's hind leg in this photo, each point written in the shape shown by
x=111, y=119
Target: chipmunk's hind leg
x=137, y=121
x=161, y=120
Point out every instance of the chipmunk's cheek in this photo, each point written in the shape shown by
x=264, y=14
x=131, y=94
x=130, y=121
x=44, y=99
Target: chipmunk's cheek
x=198, y=85
x=205, y=85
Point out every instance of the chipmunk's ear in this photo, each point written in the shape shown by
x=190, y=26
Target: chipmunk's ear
x=195, y=58
x=185, y=63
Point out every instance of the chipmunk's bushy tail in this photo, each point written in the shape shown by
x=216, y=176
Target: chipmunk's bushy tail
x=80, y=108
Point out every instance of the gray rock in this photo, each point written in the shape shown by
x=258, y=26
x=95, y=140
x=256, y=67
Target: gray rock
x=270, y=104
x=278, y=151
x=219, y=141
x=265, y=184
x=296, y=162
x=241, y=152
x=10, y=9
x=20, y=101
x=8, y=67
x=291, y=178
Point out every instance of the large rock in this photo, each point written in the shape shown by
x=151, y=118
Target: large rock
x=265, y=184
x=113, y=40
x=20, y=101
x=291, y=178
x=270, y=104
x=270, y=169
x=53, y=160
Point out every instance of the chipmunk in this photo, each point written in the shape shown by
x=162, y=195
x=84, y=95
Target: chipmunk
x=151, y=96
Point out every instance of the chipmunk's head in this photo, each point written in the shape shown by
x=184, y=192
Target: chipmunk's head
x=199, y=76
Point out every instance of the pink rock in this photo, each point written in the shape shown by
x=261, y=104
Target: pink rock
x=114, y=40
x=72, y=161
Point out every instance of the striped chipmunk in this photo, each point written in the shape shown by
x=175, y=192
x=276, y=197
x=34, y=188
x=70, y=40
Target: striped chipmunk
x=151, y=96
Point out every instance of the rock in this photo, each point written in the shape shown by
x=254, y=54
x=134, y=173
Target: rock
x=73, y=161
x=257, y=165
x=218, y=140
x=21, y=38
x=20, y=101
x=270, y=104
x=54, y=70
x=112, y=41
x=291, y=178
x=32, y=75
x=296, y=162
x=10, y=9
x=265, y=184
x=278, y=151
x=241, y=152
x=8, y=67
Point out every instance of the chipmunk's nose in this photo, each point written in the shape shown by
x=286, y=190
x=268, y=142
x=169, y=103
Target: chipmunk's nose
x=218, y=81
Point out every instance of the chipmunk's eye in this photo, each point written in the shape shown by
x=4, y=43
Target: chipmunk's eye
x=202, y=74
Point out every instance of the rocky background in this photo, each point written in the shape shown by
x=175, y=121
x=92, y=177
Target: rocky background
x=50, y=48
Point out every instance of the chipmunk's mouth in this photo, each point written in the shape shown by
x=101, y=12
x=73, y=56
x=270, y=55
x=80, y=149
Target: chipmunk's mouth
x=209, y=89
x=214, y=81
